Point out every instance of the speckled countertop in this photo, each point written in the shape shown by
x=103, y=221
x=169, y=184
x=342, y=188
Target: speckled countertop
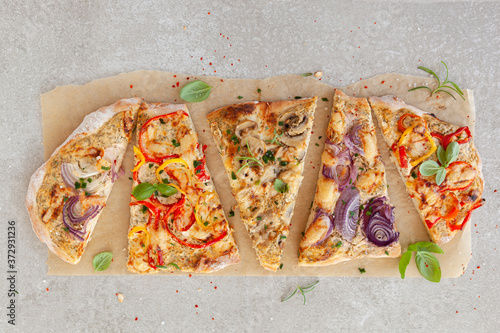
x=50, y=43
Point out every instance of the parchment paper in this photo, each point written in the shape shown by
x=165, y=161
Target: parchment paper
x=65, y=107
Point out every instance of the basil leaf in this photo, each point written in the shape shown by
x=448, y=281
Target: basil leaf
x=428, y=247
x=280, y=186
x=102, y=261
x=166, y=189
x=428, y=168
x=196, y=91
x=143, y=191
x=412, y=247
x=440, y=175
x=451, y=153
x=404, y=262
x=428, y=266
x=441, y=154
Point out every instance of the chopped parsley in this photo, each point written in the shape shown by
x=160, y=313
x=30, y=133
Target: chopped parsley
x=351, y=213
x=162, y=121
x=268, y=157
x=105, y=168
x=282, y=237
x=233, y=175
x=386, y=253
x=362, y=270
x=283, y=163
x=175, y=143
x=298, y=97
x=317, y=144
x=228, y=131
x=205, y=223
x=339, y=244
x=150, y=165
x=231, y=213
x=65, y=199
x=240, y=97
x=414, y=175
x=324, y=99
x=65, y=229
x=258, y=218
x=280, y=123
x=144, y=209
x=235, y=139
x=259, y=91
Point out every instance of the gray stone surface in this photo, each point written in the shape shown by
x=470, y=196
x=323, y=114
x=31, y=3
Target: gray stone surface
x=49, y=43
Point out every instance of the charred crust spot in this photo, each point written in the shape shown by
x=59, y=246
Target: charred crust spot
x=128, y=124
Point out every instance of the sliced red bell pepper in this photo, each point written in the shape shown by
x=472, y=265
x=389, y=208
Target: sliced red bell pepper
x=156, y=159
x=394, y=146
x=401, y=124
x=454, y=136
x=201, y=172
x=430, y=224
x=437, y=135
x=455, y=227
x=197, y=246
x=453, y=212
x=403, y=159
x=462, y=187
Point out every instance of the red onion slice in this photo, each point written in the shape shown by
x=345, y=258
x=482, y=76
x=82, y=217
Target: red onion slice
x=353, y=142
x=332, y=148
x=378, y=222
x=344, y=172
x=326, y=220
x=74, y=220
x=347, y=213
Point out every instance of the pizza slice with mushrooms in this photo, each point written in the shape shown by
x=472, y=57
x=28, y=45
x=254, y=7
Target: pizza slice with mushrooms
x=438, y=163
x=351, y=217
x=67, y=193
x=177, y=221
x=263, y=146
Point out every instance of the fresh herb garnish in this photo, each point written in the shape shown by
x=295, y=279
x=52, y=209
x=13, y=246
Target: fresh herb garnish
x=324, y=99
x=281, y=266
x=282, y=237
x=441, y=85
x=280, y=186
x=102, y=261
x=386, y=253
x=197, y=163
x=169, y=264
x=144, y=209
x=196, y=91
x=427, y=263
x=240, y=97
x=302, y=290
x=258, y=218
x=283, y=163
x=298, y=97
x=429, y=168
x=65, y=229
x=339, y=244
x=162, y=121
x=205, y=223
x=235, y=139
x=65, y=199
x=251, y=160
x=259, y=91
x=231, y=213
x=362, y=270
x=414, y=174
x=175, y=143
x=144, y=190
x=306, y=74
x=274, y=140
x=105, y=168
x=233, y=175
x=268, y=157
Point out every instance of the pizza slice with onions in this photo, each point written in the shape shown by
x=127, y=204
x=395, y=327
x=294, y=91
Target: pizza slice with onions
x=177, y=220
x=67, y=193
x=263, y=146
x=351, y=217
x=451, y=185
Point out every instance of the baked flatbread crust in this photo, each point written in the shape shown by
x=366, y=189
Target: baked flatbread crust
x=200, y=238
x=108, y=127
x=321, y=245
x=432, y=201
x=263, y=146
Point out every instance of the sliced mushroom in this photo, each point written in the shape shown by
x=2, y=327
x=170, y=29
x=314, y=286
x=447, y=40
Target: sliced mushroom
x=257, y=146
x=294, y=131
x=243, y=128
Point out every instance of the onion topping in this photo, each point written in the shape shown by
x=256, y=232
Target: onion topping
x=347, y=213
x=353, y=142
x=326, y=222
x=71, y=173
x=332, y=148
x=378, y=222
x=343, y=172
x=74, y=220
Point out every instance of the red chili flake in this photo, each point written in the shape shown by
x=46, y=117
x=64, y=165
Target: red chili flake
x=457, y=311
x=390, y=86
x=215, y=287
x=239, y=60
x=195, y=306
x=437, y=96
x=366, y=87
x=382, y=82
x=210, y=64
x=177, y=291
x=214, y=319
x=478, y=267
x=47, y=289
x=173, y=86
x=135, y=318
x=208, y=13
x=131, y=86
x=374, y=22
x=215, y=71
x=187, y=78
x=177, y=84
x=190, y=275
x=495, y=191
x=175, y=75
x=221, y=80
x=201, y=58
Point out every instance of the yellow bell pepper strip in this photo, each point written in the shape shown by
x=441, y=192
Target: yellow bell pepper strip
x=139, y=154
x=197, y=206
x=406, y=133
x=167, y=162
x=139, y=228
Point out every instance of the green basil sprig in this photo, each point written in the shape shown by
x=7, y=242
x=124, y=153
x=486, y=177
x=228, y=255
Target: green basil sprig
x=102, y=261
x=196, y=91
x=427, y=263
x=429, y=168
x=144, y=190
x=280, y=186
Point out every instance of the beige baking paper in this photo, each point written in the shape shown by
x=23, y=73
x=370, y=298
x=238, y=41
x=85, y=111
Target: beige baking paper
x=65, y=107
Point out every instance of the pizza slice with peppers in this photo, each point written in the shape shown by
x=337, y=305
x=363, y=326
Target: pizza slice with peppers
x=67, y=193
x=351, y=217
x=177, y=221
x=438, y=162
x=263, y=146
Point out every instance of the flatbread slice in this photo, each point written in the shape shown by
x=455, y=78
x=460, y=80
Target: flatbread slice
x=413, y=137
x=351, y=217
x=179, y=222
x=67, y=193
x=263, y=146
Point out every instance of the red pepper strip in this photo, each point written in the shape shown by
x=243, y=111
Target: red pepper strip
x=452, y=213
x=401, y=125
x=201, y=172
x=430, y=224
x=151, y=261
x=394, y=146
x=403, y=160
x=450, y=188
x=451, y=137
x=179, y=212
x=454, y=227
x=198, y=246
x=155, y=207
x=136, y=176
x=438, y=136
x=144, y=150
x=160, y=256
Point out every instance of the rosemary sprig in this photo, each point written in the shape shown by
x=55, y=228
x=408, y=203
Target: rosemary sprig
x=441, y=85
x=275, y=138
x=302, y=290
x=251, y=160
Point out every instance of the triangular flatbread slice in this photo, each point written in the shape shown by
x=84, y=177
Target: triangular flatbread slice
x=179, y=222
x=263, y=146
x=413, y=137
x=67, y=193
x=351, y=217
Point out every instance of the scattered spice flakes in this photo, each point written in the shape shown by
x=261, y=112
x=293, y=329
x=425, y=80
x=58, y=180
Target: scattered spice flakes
x=47, y=289
x=131, y=86
x=215, y=287
x=196, y=305
x=135, y=318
